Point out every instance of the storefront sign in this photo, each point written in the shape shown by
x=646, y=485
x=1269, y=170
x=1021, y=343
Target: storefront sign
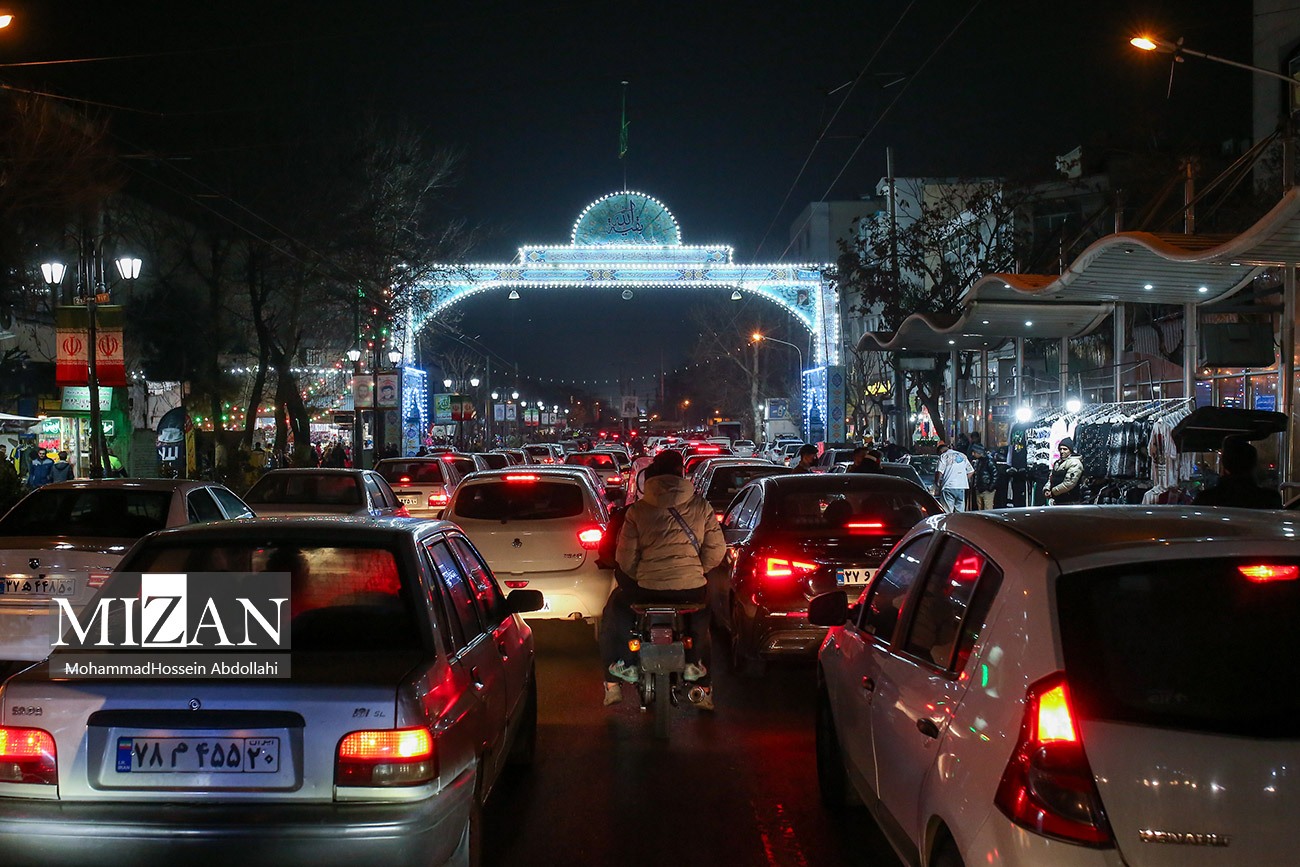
x=77, y=398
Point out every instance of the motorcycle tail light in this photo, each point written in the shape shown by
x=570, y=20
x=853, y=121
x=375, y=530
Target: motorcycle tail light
x=386, y=757
x=634, y=645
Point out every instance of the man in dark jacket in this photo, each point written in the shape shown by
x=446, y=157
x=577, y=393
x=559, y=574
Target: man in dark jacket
x=986, y=477
x=40, y=471
x=1237, y=486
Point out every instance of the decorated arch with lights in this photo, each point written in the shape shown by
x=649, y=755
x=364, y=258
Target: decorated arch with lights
x=628, y=240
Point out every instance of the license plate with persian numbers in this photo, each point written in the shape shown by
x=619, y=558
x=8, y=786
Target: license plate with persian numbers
x=198, y=755
x=42, y=586
x=853, y=576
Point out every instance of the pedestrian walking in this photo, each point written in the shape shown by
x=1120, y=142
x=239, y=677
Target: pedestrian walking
x=952, y=477
x=40, y=471
x=986, y=477
x=62, y=471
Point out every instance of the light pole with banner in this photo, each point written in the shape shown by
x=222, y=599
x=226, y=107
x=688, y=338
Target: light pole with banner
x=92, y=290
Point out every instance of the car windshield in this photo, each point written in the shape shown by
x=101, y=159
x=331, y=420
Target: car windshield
x=411, y=472
x=118, y=513
x=527, y=499
x=305, y=488
x=848, y=510
x=343, y=598
x=1186, y=644
x=587, y=459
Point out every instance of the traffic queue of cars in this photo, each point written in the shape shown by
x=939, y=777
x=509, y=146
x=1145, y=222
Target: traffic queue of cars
x=1081, y=685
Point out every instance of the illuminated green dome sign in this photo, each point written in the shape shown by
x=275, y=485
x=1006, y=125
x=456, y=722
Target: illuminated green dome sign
x=626, y=218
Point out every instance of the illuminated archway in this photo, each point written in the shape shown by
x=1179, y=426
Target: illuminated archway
x=628, y=240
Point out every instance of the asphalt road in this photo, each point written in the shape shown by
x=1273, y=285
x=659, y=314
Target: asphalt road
x=736, y=787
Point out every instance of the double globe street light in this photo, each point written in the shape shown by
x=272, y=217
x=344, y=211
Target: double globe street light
x=376, y=418
x=93, y=290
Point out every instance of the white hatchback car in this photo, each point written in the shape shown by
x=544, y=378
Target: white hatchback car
x=1072, y=686
x=539, y=529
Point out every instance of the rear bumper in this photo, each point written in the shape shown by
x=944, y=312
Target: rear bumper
x=571, y=597
x=778, y=635
x=51, y=833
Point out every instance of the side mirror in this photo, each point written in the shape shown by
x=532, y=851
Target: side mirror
x=523, y=601
x=826, y=609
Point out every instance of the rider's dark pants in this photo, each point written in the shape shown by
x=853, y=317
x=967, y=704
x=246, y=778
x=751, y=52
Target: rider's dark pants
x=619, y=620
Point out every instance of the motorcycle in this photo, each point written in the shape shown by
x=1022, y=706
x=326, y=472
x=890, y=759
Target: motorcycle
x=661, y=641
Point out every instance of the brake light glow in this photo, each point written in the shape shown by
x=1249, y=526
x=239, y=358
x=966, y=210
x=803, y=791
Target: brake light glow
x=438, y=499
x=967, y=567
x=516, y=585
x=27, y=756
x=404, y=480
x=402, y=512
x=614, y=480
x=449, y=457
x=526, y=477
x=1048, y=785
x=779, y=567
x=1263, y=573
x=709, y=450
x=386, y=757
x=719, y=516
x=865, y=528
x=590, y=537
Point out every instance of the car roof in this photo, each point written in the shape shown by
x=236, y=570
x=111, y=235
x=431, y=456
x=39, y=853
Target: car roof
x=132, y=484
x=327, y=527
x=1075, y=535
x=316, y=471
x=834, y=481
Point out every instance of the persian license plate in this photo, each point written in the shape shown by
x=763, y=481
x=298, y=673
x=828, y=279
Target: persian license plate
x=408, y=501
x=47, y=586
x=853, y=576
x=198, y=755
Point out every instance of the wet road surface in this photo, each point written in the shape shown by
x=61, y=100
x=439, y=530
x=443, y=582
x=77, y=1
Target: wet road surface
x=735, y=787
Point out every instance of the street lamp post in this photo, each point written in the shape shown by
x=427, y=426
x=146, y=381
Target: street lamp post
x=92, y=286
x=758, y=338
x=354, y=356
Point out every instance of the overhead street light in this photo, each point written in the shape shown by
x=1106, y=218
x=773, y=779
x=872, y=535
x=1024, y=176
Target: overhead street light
x=1177, y=49
x=6, y=18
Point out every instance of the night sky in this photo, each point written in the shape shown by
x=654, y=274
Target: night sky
x=725, y=103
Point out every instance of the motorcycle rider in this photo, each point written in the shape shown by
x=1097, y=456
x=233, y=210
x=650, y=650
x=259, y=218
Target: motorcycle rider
x=669, y=541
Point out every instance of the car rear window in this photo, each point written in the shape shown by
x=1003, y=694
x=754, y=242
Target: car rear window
x=530, y=500
x=1183, y=644
x=496, y=461
x=89, y=512
x=874, y=511
x=588, y=460
x=411, y=472
x=727, y=481
x=343, y=598
x=326, y=490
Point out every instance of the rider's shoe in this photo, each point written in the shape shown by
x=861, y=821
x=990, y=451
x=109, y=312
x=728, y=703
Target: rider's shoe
x=701, y=697
x=623, y=671
x=613, y=693
x=695, y=671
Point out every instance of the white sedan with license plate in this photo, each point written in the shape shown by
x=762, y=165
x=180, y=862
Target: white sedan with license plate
x=62, y=540
x=1076, y=685
x=540, y=529
x=411, y=687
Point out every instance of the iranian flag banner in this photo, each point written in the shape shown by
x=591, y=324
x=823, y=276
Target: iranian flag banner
x=72, y=339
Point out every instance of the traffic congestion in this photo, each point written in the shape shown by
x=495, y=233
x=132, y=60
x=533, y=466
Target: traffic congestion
x=1022, y=685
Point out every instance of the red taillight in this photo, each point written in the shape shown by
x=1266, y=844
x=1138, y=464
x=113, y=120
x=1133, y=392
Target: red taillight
x=614, y=480
x=449, y=458
x=438, y=499
x=781, y=567
x=96, y=579
x=27, y=756
x=590, y=537
x=404, y=480
x=1263, y=573
x=529, y=477
x=865, y=528
x=1048, y=785
x=386, y=757
x=402, y=512
x=719, y=516
x=516, y=585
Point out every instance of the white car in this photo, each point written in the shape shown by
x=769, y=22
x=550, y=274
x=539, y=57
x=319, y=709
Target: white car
x=1079, y=685
x=64, y=539
x=539, y=530
x=744, y=448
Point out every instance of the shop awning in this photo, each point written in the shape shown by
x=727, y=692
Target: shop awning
x=986, y=325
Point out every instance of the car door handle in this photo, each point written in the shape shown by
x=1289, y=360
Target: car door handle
x=868, y=684
x=927, y=727
x=476, y=678
x=501, y=649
